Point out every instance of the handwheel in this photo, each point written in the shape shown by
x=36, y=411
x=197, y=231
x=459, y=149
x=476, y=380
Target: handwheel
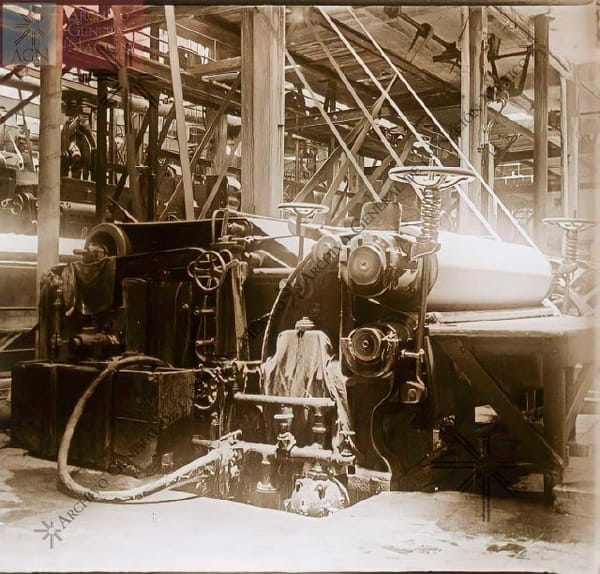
x=303, y=212
x=438, y=177
x=207, y=270
x=306, y=210
x=572, y=226
x=571, y=223
x=207, y=390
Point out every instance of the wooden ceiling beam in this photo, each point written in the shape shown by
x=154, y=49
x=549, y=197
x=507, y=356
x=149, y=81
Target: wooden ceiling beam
x=527, y=154
x=224, y=66
x=359, y=40
x=406, y=103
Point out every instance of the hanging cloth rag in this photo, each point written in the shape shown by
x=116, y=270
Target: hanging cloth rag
x=304, y=366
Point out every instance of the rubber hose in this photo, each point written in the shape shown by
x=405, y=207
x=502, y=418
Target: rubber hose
x=167, y=481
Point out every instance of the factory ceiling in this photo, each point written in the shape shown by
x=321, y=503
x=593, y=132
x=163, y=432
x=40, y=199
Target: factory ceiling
x=424, y=42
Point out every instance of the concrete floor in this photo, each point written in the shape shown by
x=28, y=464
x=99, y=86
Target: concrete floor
x=171, y=531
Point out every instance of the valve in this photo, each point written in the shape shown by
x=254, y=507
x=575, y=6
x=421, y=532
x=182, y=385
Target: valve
x=285, y=439
x=206, y=389
x=207, y=270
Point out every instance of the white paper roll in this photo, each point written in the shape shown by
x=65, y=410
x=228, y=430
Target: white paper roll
x=477, y=272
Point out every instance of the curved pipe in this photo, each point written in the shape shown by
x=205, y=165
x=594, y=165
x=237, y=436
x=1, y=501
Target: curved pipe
x=183, y=474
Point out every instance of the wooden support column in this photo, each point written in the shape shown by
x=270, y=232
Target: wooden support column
x=465, y=107
x=263, y=117
x=153, y=143
x=49, y=142
x=184, y=160
x=564, y=149
x=473, y=106
x=490, y=163
x=137, y=206
x=478, y=107
x=572, y=112
x=101, y=147
x=219, y=158
x=540, y=126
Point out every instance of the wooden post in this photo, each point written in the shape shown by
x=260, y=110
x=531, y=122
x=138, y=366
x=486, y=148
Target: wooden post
x=572, y=113
x=101, y=147
x=219, y=158
x=465, y=108
x=137, y=205
x=112, y=152
x=184, y=160
x=153, y=143
x=263, y=45
x=540, y=126
x=49, y=142
x=492, y=204
x=478, y=106
x=564, y=148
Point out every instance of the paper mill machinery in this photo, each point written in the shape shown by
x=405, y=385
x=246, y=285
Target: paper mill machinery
x=302, y=366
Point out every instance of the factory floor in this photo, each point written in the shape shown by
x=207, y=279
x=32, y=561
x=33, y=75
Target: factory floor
x=391, y=531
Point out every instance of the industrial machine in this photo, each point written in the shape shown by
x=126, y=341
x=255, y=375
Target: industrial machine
x=302, y=366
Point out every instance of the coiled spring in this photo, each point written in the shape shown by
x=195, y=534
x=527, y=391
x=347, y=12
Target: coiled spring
x=431, y=207
x=571, y=239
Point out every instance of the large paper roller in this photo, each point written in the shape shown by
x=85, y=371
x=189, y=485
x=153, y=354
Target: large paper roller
x=477, y=272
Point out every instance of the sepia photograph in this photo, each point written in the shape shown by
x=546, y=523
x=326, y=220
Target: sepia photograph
x=300, y=287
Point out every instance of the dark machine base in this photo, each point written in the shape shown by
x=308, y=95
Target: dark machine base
x=136, y=421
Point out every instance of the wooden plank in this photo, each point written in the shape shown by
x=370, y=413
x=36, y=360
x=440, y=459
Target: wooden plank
x=101, y=148
x=182, y=140
x=214, y=122
x=367, y=114
x=491, y=315
x=524, y=328
x=335, y=131
x=50, y=147
x=539, y=450
x=18, y=107
x=406, y=146
x=134, y=189
x=564, y=149
x=139, y=138
x=584, y=381
x=434, y=101
x=555, y=398
x=217, y=67
x=359, y=40
x=540, y=125
x=342, y=168
x=154, y=144
x=476, y=118
x=326, y=166
x=215, y=188
x=573, y=146
x=263, y=108
x=168, y=120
